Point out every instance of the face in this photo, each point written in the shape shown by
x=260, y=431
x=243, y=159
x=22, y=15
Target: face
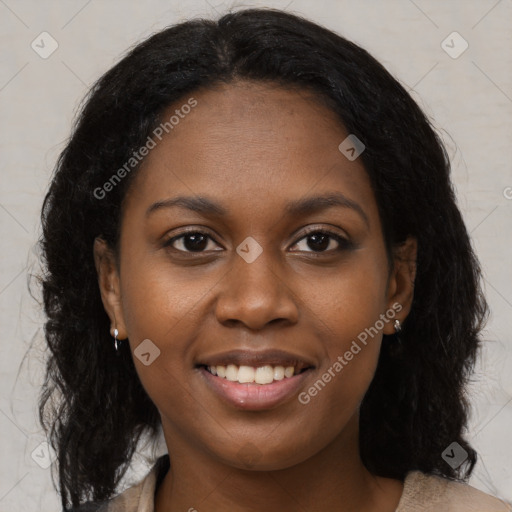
x=273, y=260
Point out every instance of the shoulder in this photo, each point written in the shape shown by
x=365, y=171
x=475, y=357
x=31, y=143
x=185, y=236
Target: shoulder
x=430, y=493
x=138, y=498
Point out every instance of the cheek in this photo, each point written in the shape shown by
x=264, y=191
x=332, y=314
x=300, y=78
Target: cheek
x=165, y=306
x=158, y=301
x=347, y=303
x=347, y=313
x=347, y=369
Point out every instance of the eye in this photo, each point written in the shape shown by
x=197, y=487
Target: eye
x=323, y=241
x=317, y=241
x=190, y=241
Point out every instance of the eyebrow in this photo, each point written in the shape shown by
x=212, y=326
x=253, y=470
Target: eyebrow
x=307, y=205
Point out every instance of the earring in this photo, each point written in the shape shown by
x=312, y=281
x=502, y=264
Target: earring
x=116, y=345
x=397, y=326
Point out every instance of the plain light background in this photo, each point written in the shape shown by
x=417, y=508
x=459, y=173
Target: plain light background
x=468, y=97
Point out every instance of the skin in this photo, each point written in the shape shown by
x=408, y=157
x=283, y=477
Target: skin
x=253, y=148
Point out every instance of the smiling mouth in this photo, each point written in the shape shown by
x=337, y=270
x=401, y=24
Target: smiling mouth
x=260, y=375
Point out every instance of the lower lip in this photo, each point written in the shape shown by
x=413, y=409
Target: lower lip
x=255, y=397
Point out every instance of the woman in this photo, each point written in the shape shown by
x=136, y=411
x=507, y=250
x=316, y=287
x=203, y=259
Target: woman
x=252, y=243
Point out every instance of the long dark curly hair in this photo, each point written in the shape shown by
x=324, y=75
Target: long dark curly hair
x=93, y=405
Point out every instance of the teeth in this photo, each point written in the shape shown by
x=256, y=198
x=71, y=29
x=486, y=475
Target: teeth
x=232, y=372
x=246, y=374
x=278, y=373
x=249, y=375
x=265, y=375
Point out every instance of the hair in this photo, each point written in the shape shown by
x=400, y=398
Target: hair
x=92, y=403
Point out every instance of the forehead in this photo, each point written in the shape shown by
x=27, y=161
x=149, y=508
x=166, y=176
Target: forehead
x=253, y=145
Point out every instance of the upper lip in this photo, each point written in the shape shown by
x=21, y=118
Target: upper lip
x=272, y=357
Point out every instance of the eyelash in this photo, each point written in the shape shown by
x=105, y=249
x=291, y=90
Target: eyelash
x=344, y=244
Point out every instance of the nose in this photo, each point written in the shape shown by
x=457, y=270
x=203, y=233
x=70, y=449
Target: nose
x=255, y=294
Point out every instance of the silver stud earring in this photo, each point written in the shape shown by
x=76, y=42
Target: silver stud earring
x=116, y=345
x=397, y=326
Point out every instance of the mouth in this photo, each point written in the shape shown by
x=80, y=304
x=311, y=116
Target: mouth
x=262, y=375
x=255, y=381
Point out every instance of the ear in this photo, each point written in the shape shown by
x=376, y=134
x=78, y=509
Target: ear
x=401, y=281
x=108, y=280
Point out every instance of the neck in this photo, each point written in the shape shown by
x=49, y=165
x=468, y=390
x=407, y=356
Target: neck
x=334, y=479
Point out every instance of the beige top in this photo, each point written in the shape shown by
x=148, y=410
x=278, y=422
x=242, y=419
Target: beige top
x=422, y=493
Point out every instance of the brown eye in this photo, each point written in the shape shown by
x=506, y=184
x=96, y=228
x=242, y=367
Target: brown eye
x=323, y=241
x=192, y=241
